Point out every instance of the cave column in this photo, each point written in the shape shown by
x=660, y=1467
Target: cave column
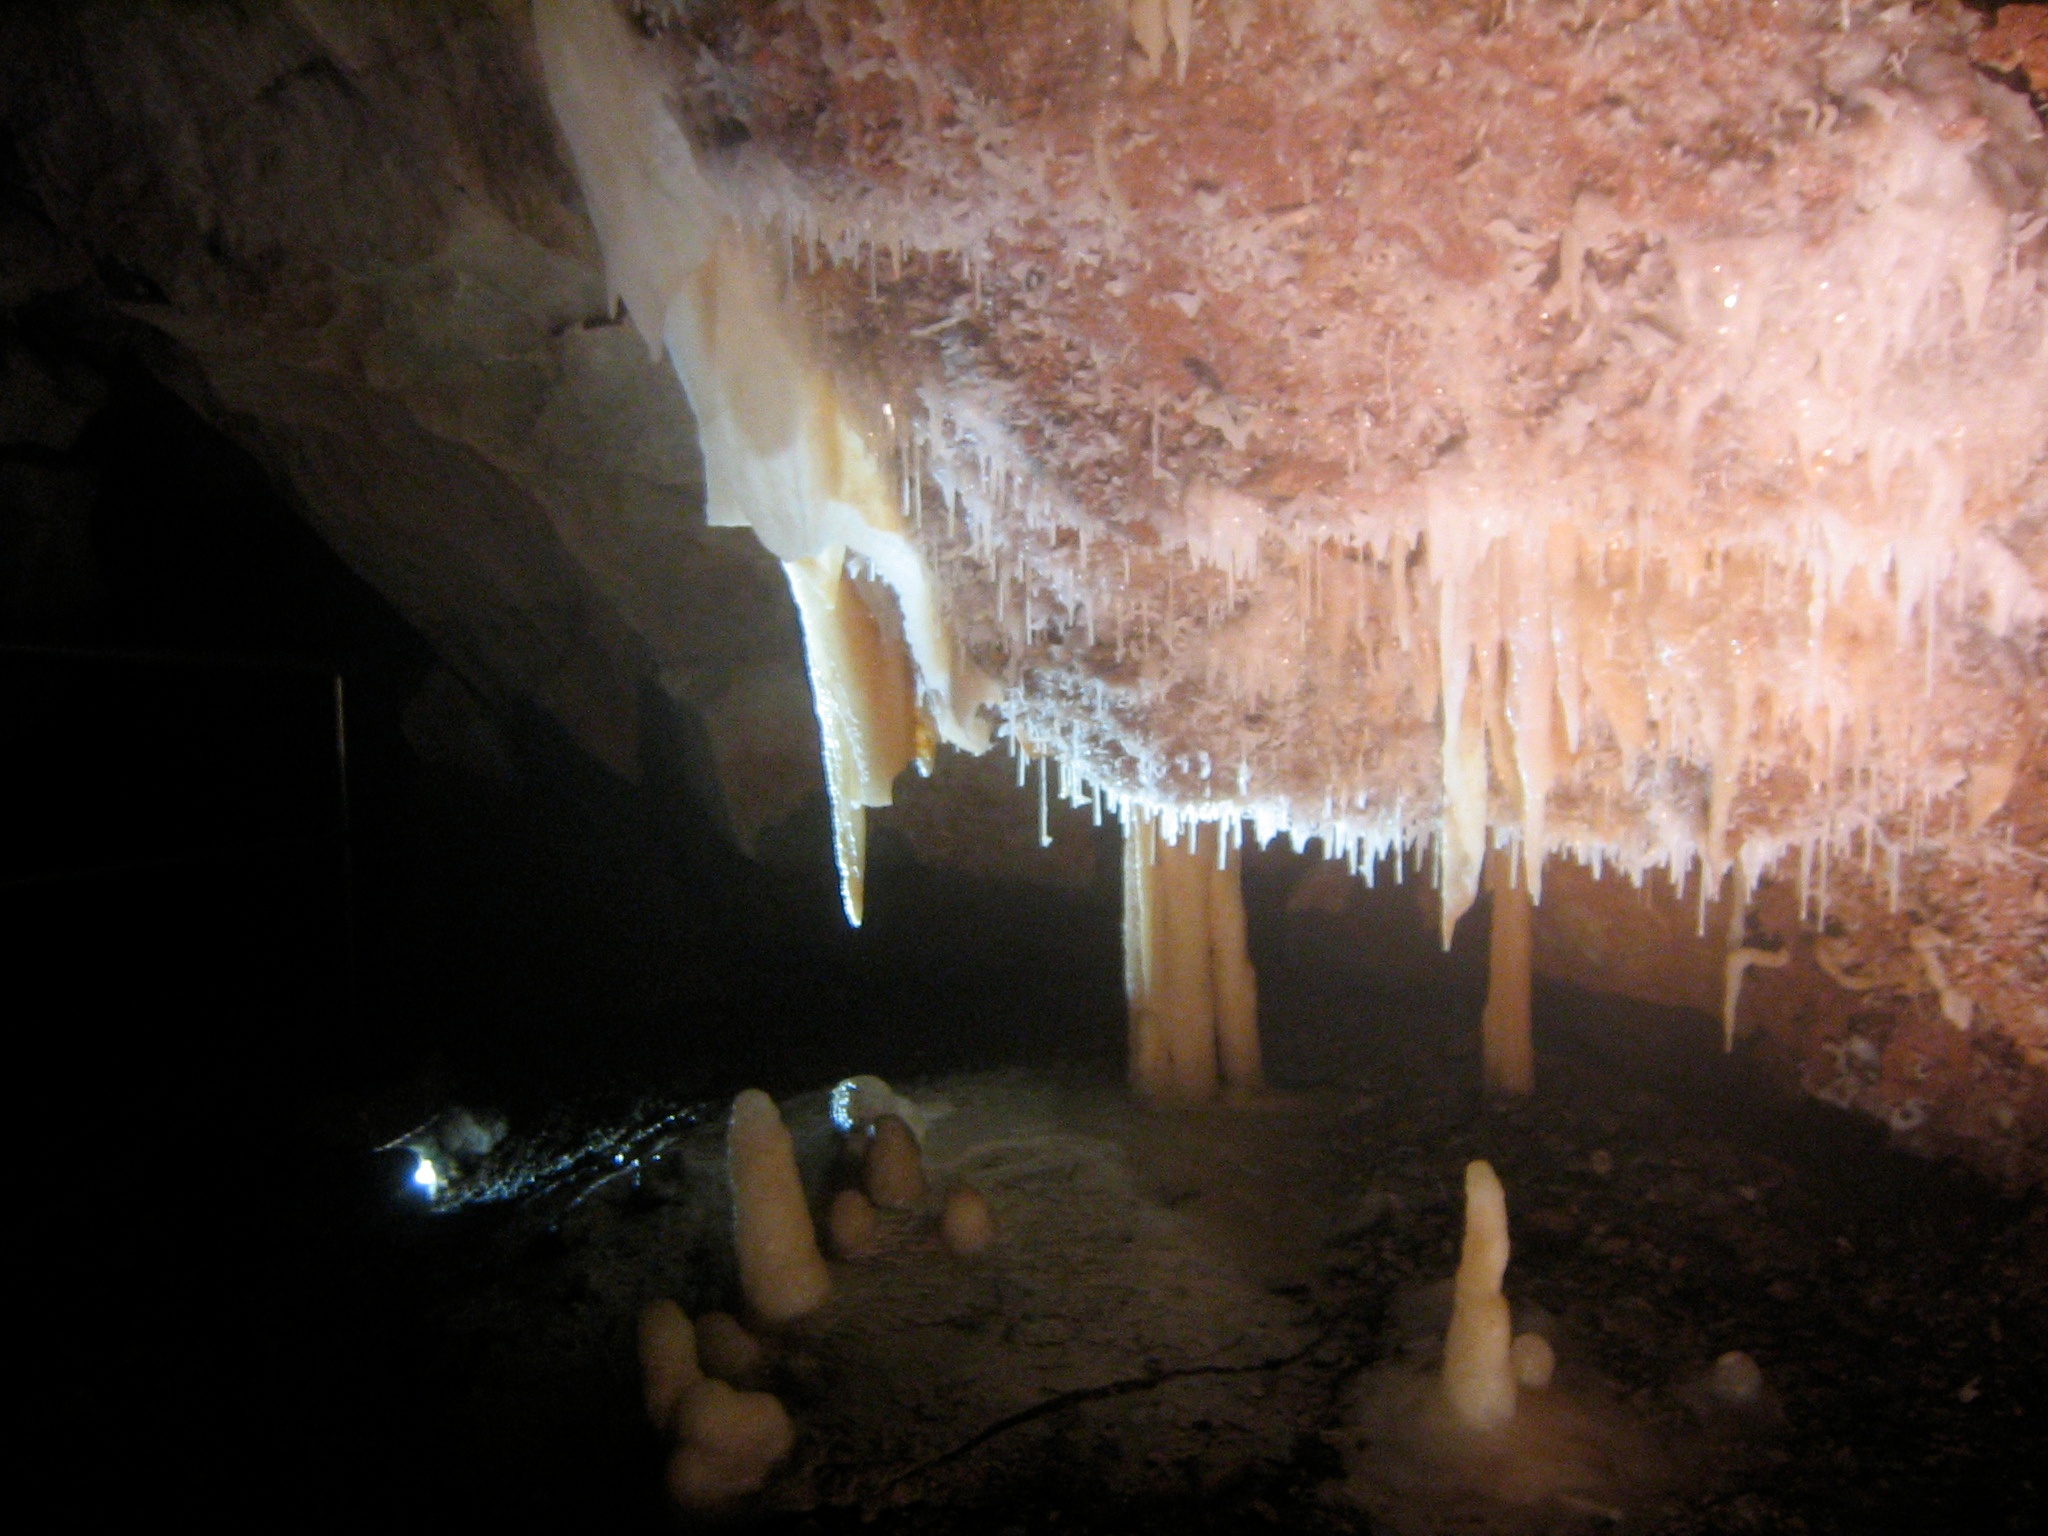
x=1507, y=1054
x=1187, y=971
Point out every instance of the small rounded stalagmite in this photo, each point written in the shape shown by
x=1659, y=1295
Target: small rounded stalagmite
x=727, y=1442
x=893, y=1174
x=1534, y=1360
x=851, y=1225
x=1737, y=1379
x=726, y=1350
x=967, y=1227
x=668, y=1360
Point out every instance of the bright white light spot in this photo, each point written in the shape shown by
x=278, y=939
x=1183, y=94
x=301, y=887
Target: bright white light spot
x=857, y=1100
x=426, y=1177
x=1729, y=302
x=842, y=1105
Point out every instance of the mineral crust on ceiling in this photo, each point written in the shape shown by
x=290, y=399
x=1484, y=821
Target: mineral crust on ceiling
x=1616, y=430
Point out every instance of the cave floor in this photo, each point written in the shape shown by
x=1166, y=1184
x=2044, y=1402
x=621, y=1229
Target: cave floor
x=1192, y=1317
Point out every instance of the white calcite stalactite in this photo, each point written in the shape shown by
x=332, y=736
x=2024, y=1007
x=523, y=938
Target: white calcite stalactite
x=781, y=1271
x=1507, y=1053
x=1187, y=971
x=1155, y=23
x=1479, y=1367
x=785, y=452
x=862, y=689
x=1589, y=494
x=1581, y=488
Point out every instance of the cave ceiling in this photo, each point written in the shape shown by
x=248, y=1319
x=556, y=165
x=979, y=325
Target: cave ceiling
x=1428, y=429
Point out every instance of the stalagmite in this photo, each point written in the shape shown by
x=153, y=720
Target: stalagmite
x=726, y=1350
x=727, y=1442
x=1508, y=1056
x=851, y=1225
x=1187, y=994
x=967, y=1226
x=1147, y=1050
x=1479, y=1370
x=781, y=1271
x=1736, y=1379
x=1187, y=972
x=1534, y=1360
x=892, y=1173
x=668, y=1360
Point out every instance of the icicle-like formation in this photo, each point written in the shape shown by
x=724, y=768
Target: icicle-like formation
x=1154, y=24
x=1629, y=456
x=783, y=452
x=862, y=692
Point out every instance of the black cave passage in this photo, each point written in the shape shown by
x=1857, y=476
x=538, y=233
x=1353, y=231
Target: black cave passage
x=227, y=1002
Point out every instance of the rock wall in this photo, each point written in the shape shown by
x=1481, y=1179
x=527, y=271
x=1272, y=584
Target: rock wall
x=351, y=227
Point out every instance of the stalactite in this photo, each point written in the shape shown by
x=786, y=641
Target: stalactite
x=1187, y=972
x=783, y=451
x=1605, y=528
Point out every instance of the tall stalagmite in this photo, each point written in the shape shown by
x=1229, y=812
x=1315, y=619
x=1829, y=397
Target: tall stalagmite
x=781, y=1271
x=1479, y=1372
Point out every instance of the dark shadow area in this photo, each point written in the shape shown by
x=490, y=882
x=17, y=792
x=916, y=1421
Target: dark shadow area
x=236, y=987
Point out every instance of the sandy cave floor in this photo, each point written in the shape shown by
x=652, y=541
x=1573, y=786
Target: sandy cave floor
x=1192, y=1318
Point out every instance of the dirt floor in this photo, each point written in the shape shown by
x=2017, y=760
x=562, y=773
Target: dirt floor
x=1222, y=1319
